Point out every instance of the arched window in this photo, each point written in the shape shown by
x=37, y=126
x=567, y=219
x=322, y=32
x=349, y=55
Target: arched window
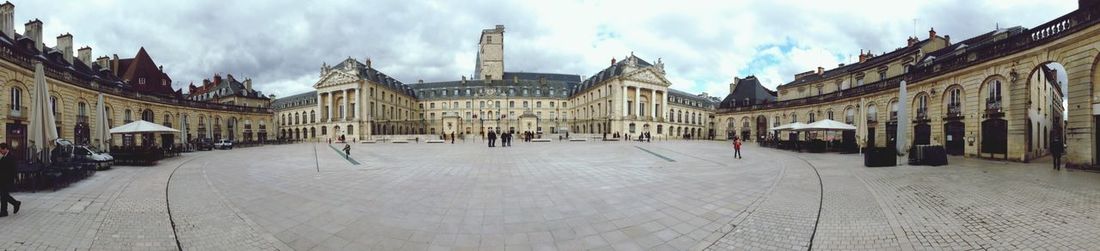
x=922, y=106
x=16, y=98
x=954, y=102
x=872, y=113
x=850, y=116
x=794, y=117
x=812, y=117
x=324, y=130
x=993, y=98
x=81, y=109
x=148, y=115
x=829, y=115
x=893, y=110
x=53, y=104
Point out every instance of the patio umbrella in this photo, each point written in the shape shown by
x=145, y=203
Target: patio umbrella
x=861, y=121
x=903, y=119
x=796, y=126
x=43, y=127
x=827, y=125
x=102, y=133
x=142, y=126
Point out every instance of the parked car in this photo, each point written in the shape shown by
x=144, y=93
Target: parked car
x=204, y=144
x=88, y=155
x=224, y=144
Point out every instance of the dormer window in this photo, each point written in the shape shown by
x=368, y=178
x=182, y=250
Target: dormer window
x=141, y=81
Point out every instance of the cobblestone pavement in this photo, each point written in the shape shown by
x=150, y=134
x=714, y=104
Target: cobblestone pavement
x=674, y=195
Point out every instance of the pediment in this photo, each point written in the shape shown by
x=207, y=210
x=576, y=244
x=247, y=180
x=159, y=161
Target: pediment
x=333, y=78
x=647, y=75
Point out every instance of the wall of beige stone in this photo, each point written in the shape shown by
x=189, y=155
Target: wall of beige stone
x=70, y=96
x=1078, y=53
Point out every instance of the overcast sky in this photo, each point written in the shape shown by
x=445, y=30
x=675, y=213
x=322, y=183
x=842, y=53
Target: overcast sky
x=281, y=44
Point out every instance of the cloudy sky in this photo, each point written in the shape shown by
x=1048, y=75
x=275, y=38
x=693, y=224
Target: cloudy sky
x=281, y=44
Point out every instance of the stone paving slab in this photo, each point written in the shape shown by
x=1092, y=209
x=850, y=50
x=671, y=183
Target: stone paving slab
x=670, y=195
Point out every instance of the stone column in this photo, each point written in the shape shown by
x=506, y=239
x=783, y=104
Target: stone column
x=664, y=106
x=653, y=103
x=344, y=116
x=329, y=112
x=637, y=99
x=626, y=109
x=319, y=110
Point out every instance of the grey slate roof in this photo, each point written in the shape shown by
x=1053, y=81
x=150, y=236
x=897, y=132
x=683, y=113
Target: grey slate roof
x=610, y=72
x=685, y=98
x=750, y=89
x=296, y=100
x=376, y=76
x=545, y=83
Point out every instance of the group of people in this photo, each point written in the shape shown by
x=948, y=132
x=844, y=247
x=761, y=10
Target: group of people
x=505, y=139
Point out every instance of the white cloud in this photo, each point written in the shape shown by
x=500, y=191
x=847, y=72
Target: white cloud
x=704, y=44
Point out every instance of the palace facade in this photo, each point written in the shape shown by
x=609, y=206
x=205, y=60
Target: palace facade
x=630, y=97
x=133, y=88
x=1007, y=94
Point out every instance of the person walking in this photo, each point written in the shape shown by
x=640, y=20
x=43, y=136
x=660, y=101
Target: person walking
x=492, y=138
x=507, y=139
x=1056, y=150
x=347, y=151
x=737, y=147
x=7, y=180
x=452, y=137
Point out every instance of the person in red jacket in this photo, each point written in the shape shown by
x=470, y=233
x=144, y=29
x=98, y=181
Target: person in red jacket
x=737, y=147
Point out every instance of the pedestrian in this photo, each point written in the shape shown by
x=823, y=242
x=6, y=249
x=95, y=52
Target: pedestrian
x=1056, y=150
x=737, y=147
x=347, y=151
x=452, y=137
x=648, y=137
x=492, y=138
x=507, y=140
x=7, y=180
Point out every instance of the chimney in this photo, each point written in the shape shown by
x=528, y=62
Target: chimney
x=820, y=70
x=733, y=86
x=368, y=63
x=612, y=61
x=932, y=33
x=33, y=30
x=912, y=41
x=864, y=56
x=7, y=19
x=103, y=62
x=247, y=86
x=85, y=55
x=65, y=45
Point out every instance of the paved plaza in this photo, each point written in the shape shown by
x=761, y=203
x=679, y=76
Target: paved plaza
x=671, y=195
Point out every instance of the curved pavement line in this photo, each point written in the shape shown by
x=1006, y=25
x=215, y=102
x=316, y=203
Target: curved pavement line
x=750, y=209
x=279, y=245
x=820, y=200
x=889, y=214
x=168, y=202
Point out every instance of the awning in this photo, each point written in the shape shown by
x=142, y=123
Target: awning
x=142, y=126
x=828, y=125
x=790, y=127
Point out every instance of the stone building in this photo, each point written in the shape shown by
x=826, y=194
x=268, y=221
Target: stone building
x=133, y=88
x=628, y=97
x=228, y=90
x=1005, y=94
